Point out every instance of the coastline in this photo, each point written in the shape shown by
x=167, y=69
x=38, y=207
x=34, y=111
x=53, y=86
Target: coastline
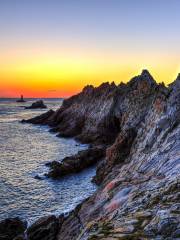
x=138, y=126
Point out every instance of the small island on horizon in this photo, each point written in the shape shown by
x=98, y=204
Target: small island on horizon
x=21, y=100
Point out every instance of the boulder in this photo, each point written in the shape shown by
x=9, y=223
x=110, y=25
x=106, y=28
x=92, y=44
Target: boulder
x=11, y=228
x=46, y=228
x=37, y=104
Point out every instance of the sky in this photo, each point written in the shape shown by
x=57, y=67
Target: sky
x=53, y=48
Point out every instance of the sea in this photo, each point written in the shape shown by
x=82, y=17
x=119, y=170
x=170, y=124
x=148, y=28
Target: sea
x=24, y=151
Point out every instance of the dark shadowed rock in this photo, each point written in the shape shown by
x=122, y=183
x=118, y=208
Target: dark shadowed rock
x=87, y=116
x=115, y=154
x=46, y=228
x=43, y=118
x=37, y=104
x=76, y=163
x=10, y=228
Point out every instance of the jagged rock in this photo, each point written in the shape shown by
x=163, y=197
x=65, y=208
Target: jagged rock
x=86, y=116
x=139, y=123
x=72, y=223
x=37, y=104
x=136, y=196
x=76, y=163
x=46, y=228
x=115, y=154
x=163, y=224
x=43, y=118
x=11, y=228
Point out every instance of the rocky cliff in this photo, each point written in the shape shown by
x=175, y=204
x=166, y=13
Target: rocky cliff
x=138, y=124
x=86, y=116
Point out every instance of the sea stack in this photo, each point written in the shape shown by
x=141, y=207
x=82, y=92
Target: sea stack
x=37, y=104
x=21, y=99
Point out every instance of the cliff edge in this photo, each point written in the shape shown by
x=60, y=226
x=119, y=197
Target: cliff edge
x=138, y=124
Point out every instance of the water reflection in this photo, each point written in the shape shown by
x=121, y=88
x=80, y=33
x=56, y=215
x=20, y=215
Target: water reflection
x=24, y=150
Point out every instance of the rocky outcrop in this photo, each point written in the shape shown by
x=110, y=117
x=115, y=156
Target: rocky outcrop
x=37, y=104
x=76, y=163
x=12, y=229
x=138, y=197
x=42, y=119
x=46, y=228
x=116, y=154
x=87, y=116
x=139, y=124
x=98, y=115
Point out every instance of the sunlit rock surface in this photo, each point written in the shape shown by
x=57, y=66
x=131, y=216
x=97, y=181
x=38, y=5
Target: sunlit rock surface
x=138, y=197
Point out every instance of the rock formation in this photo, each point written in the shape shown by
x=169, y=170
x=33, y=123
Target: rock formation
x=138, y=197
x=12, y=229
x=76, y=163
x=43, y=118
x=139, y=125
x=37, y=104
x=86, y=116
x=46, y=228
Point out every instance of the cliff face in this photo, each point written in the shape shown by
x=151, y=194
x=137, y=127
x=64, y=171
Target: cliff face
x=134, y=101
x=86, y=116
x=138, y=197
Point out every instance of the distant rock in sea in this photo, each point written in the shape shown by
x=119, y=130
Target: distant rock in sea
x=21, y=99
x=37, y=104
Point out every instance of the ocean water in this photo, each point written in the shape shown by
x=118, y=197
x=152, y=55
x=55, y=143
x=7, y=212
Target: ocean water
x=24, y=150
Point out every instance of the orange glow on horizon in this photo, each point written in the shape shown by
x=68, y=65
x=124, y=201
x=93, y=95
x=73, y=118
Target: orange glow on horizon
x=55, y=74
x=55, y=48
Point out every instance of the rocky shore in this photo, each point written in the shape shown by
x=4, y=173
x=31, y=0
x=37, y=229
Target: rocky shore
x=134, y=134
x=76, y=163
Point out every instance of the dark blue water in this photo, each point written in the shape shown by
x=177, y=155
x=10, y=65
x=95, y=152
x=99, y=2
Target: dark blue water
x=24, y=150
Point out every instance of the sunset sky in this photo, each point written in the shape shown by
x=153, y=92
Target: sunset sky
x=52, y=48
